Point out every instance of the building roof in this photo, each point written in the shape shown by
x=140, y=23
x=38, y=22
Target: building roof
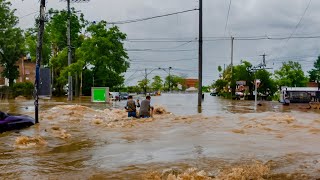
x=300, y=88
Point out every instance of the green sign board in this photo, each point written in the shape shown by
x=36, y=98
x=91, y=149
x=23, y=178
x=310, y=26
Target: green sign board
x=99, y=94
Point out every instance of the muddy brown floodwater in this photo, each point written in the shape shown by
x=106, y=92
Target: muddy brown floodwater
x=228, y=140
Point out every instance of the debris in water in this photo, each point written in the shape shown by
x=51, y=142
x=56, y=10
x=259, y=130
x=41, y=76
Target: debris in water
x=60, y=133
x=159, y=110
x=97, y=121
x=257, y=171
x=238, y=131
x=24, y=142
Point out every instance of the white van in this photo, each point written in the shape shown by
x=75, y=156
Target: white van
x=115, y=96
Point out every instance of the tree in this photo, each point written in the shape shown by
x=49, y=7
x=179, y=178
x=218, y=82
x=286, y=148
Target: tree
x=31, y=45
x=221, y=86
x=56, y=33
x=104, y=50
x=144, y=84
x=267, y=84
x=291, y=74
x=314, y=74
x=174, y=81
x=11, y=42
x=157, y=83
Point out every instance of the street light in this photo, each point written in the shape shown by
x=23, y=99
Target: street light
x=169, y=76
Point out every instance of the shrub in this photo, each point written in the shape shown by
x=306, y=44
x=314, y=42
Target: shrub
x=23, y=89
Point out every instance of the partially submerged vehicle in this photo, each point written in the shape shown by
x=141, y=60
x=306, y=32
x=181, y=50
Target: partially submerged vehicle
x=10, y=122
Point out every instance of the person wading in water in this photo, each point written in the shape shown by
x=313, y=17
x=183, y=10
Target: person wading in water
x=131, y=107
x=145, y=108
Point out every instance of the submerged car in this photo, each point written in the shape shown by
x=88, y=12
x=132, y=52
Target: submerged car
x=10, y=122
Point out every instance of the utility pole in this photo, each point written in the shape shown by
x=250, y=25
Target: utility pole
x=200, y=57
x=170, y=80
x=38, y=58
x=70, y=86
x=146, y=81
x=232, y=39
x=70, y=89
x=264, y=59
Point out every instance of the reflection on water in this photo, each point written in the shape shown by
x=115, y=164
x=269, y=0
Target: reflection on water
x=228, y=140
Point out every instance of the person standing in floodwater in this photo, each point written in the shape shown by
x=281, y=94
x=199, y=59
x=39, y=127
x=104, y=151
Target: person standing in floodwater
x=131, y=107
x=145, y=108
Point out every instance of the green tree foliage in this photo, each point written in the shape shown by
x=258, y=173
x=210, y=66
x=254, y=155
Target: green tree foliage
x=314, y=74
x=11, y=42
x=174, y=81
x=157, y=83
x=104, y=50
x=31, y=36
x=134, y=89
x=56, y=32
x=267, y=84
x=144, y=84
x=243, y=72
x=221, y=85
x=291, y=74
x=57, y=29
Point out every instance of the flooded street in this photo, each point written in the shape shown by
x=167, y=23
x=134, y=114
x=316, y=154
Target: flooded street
x=228, y=140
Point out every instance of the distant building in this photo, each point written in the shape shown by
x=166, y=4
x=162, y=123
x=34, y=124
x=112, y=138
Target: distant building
x=191, y=83
x=27, y=71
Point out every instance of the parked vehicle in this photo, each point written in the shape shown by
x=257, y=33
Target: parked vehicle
x=123, y=95
x=10, y=122
x=115, y=96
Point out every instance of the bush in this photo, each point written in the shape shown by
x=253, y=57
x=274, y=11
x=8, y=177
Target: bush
x=23, y=89
x=6, y=92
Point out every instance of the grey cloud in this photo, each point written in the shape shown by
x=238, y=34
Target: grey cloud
x=247, y=18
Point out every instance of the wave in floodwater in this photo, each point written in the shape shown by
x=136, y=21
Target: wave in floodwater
x=85, y=142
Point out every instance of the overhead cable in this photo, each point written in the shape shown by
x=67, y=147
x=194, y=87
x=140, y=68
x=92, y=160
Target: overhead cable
x=225, y=28
x=296, y=27
x=153, y=17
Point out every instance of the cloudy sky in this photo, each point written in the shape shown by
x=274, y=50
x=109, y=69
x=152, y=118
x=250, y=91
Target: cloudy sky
x=247, y=18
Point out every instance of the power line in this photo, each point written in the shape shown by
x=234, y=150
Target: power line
x=153, y=17
x=296, y=27
x=151, y=61
x=21, y=17
x=225, y=28
x=160, y=50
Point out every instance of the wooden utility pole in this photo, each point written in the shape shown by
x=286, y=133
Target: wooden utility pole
x=38, y=58
x=232, y=39
x=200, y=58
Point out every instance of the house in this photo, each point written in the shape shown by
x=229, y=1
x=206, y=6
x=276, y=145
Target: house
x=27, y=71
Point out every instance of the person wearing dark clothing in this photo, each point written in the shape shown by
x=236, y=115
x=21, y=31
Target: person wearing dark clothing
x=131, y=107
x=145, y=108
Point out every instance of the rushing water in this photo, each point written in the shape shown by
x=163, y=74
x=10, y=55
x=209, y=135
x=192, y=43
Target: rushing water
x=228, y=140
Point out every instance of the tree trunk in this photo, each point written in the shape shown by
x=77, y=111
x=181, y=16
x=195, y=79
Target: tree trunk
x=11, y=81
x=76, y=87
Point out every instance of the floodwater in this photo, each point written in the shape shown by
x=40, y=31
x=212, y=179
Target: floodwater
x=228, y=140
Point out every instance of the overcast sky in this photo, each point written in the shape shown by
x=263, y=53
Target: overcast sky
x=272, y=18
